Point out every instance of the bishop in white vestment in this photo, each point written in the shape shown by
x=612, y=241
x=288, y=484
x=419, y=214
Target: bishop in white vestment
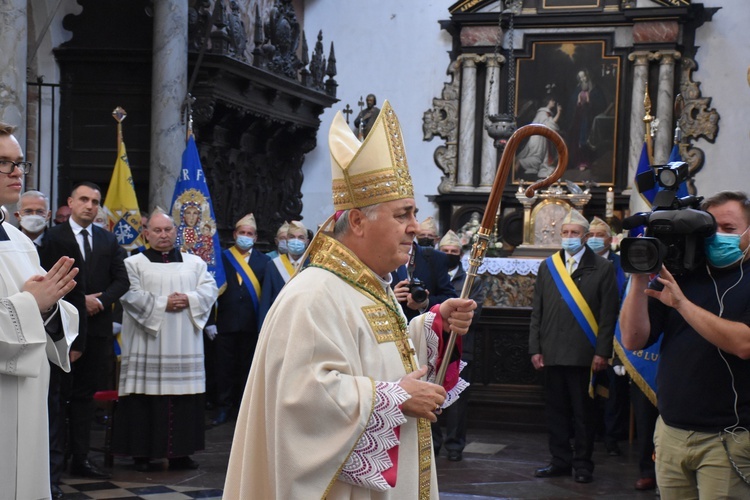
x=339, y=399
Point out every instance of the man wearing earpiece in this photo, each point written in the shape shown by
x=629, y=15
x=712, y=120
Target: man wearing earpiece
x=702, y=439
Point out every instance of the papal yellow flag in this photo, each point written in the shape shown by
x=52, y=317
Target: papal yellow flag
x=121, y=205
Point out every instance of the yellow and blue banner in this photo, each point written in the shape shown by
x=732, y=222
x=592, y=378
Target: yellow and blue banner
x=194, y=214
x=121, y=204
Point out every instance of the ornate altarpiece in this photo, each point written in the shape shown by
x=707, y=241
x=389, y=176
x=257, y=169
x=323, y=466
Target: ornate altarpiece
x=641, y=49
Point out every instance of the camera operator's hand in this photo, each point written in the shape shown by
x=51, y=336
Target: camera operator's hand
x=671, y=295
x=418, y=306
x=402, y=290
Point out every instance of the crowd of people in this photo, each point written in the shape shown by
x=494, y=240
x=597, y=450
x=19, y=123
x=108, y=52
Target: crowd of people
x=338, y=339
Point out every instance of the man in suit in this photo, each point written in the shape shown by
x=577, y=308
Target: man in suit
x=455, y=416
x=104, y=280
x=237, y=316
x=573, y=317
x=429, y=266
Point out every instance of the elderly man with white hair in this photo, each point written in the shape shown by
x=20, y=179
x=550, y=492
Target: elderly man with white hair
x=570, y=339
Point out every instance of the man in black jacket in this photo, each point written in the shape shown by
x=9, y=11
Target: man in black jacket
x=104, y=280
x=573, y=317
x=237, y=316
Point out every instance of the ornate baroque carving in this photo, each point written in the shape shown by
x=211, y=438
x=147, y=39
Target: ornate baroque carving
x=442, y=121
x=697, y=120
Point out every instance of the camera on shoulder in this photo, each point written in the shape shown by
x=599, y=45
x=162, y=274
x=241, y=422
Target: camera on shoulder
x=674, y=229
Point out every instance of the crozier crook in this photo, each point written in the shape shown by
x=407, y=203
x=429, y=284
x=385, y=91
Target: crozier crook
x=479, y=249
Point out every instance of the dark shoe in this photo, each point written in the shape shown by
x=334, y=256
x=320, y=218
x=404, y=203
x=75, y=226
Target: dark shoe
x=455, y=455
x=583, y=476
x=221, y=418
x=85, y=468
x=645, y=483
x=55, y=491
x=552, y=470
x=183, y=463
x=141, y=464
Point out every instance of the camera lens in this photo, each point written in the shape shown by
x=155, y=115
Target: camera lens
x=667, y=178
x=644, y=255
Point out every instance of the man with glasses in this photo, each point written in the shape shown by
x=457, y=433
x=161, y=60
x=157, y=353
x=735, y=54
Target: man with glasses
x=33, y=215
x=35, y=326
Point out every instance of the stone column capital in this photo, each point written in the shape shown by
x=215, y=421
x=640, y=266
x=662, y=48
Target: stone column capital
x=641, y=57
x=667, y=56
x=469, y=60
x=494, y=60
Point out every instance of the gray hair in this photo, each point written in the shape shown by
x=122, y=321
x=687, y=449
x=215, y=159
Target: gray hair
x=36, y=194
x=342, y=226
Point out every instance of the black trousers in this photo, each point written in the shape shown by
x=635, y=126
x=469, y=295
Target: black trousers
x=454, y=418
x=56, y=413
x=645, y=422
x=570, y=412
x=234, y=354
x=90, y=373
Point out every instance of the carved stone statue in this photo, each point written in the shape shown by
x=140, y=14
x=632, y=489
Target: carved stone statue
x=366, y=118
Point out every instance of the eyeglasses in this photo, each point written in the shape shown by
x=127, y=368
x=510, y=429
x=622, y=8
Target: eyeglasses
x=8, y=166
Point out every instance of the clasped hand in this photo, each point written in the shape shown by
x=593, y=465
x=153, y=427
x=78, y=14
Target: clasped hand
x=49, y=288
x=425, y=398
x=177, y=302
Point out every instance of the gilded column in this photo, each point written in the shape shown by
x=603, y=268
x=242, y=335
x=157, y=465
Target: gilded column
x=489, y=152
x=467, y=122
x=13, y=54
x=168, y=90
x=637, y=127
x=665, y=105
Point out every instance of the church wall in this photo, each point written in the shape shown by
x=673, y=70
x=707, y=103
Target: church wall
x=397, y=50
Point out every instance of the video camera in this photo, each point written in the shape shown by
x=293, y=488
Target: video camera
x=674, y=229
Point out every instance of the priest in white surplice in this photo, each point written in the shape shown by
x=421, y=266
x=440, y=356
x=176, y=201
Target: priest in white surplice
x=35, y=326
x=338, y=403
x=162, y=377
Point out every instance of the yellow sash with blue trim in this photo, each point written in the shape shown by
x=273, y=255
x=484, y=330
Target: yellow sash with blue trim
x=287, y=265
x=244, y=273
x=575, y=301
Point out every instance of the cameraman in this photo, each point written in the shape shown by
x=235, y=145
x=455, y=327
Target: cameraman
x=701, y=438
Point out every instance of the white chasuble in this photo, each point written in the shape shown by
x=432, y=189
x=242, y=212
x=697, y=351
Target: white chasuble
x=25, y=349
x=162, y=351
x=324, y=381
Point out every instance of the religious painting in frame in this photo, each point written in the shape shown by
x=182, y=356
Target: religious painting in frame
x=574, y=88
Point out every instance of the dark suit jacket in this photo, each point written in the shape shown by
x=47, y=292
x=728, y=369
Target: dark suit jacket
x=477, y=294
x=619, y=274
x=272, y=285
x=104, y=273
x=236, y=312
x=430, y=266
x=554, y=331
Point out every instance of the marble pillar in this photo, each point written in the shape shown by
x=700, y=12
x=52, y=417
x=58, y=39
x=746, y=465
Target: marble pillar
x=467, y=122
x=489, y=152
x=168, y=88
x=637, y=126
x=13, y=40
x=665, y=106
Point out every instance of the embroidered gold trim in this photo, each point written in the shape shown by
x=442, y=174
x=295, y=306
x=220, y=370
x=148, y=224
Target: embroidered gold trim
x=424, y=439
x=382, y=322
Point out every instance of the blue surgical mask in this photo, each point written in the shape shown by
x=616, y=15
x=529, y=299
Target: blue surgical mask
x=282, y=246
x=596, y=244
x=571, y=245
x=245, y=242
x=296, y=247
x=723, y=250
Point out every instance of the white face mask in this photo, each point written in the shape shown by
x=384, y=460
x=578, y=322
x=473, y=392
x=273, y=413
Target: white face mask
x=33, y=223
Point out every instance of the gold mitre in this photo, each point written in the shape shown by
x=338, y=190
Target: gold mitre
x=248, y=220
x=597, y=223
x=575, y=217
x=428, y=225
x=450, y=239
x=374, y=171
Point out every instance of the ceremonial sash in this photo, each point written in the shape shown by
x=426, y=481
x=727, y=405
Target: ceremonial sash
x=245, y=272
x=285, y=267
x=575, y=301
